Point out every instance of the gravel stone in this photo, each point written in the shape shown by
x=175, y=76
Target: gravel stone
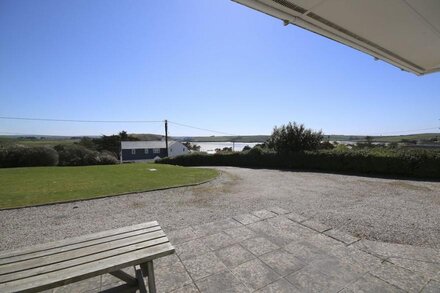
x=388, y=210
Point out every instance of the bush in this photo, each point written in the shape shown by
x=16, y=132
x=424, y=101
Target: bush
x=107, y=158
x=378, y=161
x=76, y=155
x=21, y=156
x=293, y=138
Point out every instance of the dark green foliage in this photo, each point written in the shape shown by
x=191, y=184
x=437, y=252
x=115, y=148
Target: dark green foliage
x=191, y=147
x=377, y=161
x=326, y=145
x=106, y=158
x=87, y=142
x=246, y=148
x=293, y=138
x=20, y=156
x=77, y=155
x=111, y=143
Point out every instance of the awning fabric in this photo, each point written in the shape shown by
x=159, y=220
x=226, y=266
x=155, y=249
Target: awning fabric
x=405, y=33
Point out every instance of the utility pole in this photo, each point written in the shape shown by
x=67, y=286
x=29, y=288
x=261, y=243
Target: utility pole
x=166, y=135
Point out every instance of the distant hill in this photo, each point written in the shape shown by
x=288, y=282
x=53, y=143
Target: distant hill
x=54, y=140
x=389, y=138
x=147, y=136
x=243, y=138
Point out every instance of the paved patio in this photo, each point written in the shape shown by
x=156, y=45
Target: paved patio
x=275, y=250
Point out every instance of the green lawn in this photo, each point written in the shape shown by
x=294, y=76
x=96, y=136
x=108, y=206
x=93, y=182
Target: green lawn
x=39, y=185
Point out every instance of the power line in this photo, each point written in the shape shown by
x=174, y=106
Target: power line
x=113, y=121
x=80, y=121
x=204, y=129
x=405, y=131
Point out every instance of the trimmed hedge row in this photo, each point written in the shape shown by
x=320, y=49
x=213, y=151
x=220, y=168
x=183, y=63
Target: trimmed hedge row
x=422, y=164
x=20, y=156
x=77, y=155
x=61, y=155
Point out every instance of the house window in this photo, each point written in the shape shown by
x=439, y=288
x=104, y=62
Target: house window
x=133, y=151
x=156, y=151
x=183, y=149
x=146, y=151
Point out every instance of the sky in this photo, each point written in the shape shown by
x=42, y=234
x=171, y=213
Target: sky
x=214, y=65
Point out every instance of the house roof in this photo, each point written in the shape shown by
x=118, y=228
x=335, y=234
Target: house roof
x=150, y=144
x=405, y=33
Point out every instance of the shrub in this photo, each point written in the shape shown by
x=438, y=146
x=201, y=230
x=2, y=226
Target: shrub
x=379, y=161
x=76, y=155
x=107, y=158
x=293, y=138
x=21, y=156
x=246, y=148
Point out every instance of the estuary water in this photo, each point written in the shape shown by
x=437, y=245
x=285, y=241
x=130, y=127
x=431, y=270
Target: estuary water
x=210, y=147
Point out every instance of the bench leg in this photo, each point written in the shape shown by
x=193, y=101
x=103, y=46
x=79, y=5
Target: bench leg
x=140, y=279
x=148, y=270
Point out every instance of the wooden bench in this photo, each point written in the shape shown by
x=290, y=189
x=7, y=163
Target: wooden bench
x=63, y=262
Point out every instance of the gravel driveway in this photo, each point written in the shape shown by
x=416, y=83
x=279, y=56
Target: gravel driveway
x=397, y=211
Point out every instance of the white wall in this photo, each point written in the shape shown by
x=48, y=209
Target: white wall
x=177, y=149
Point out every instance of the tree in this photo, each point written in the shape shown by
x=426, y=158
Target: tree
x=191, y=147
x=88, y=143
x=293, y=138
x=369, y=140
x=112, y=143
x=246, y=148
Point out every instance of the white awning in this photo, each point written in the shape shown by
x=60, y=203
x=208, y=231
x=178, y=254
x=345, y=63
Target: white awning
x=405, y=33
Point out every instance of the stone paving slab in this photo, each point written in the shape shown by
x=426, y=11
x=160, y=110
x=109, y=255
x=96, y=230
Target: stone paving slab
x=310, y=279
x=371, y=284
x=296, y=217
x=282, y=253
x=316, y=226
x=204, y=265
x=280, y=286
x=234, y=255
x=255, y=274
x=432, y=287
x=215, y=227
x=181, y=235
x=264, y=214
x=278, y=210
x=219, y=240
x=246, y=219
x=341, y=236
x=400, y=277
x=222, y=282
x=429, y=269
x=172, y=277
x=241, y=233
x=259, y=245
x=282, y=262
x=191, y=249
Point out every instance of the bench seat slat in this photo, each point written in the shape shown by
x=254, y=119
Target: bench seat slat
x=88, y=270
x=81, y=260
x=75, y=246
x=70, y=241
x=72, y=254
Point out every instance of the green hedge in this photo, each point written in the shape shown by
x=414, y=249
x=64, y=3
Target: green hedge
x=409, y=163
x=77, y=155
x=21, y=156
x=61, y=155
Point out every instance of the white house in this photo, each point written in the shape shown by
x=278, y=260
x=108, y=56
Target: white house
x=136, y=151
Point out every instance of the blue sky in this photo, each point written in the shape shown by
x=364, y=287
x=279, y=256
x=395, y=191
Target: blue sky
x=212, y=64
